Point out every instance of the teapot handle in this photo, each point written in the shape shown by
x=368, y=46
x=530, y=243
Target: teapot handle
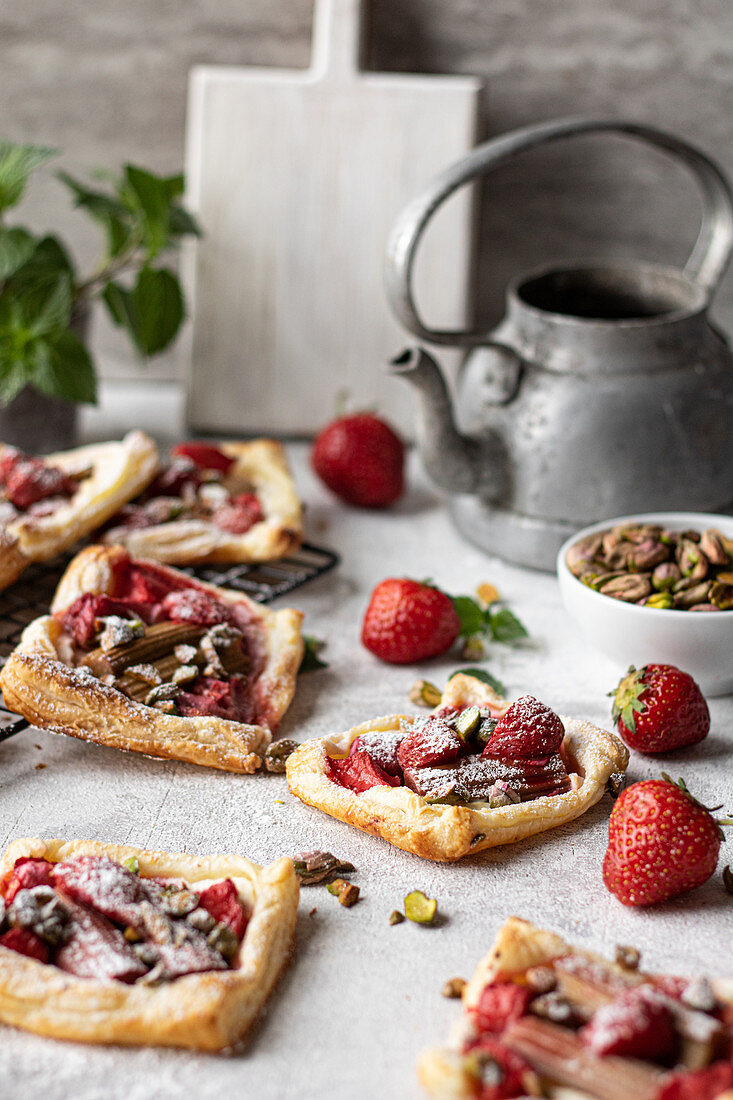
x=706, y=264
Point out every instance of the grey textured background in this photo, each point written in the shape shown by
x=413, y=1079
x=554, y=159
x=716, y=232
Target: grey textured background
x=106, y=82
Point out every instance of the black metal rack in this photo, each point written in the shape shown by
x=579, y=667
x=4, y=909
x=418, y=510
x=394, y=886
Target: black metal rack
x=31, y=595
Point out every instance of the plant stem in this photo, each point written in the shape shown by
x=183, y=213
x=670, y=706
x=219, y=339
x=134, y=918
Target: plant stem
x=121, y=263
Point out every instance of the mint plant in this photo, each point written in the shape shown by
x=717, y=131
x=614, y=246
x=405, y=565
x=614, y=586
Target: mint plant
x=43, y=295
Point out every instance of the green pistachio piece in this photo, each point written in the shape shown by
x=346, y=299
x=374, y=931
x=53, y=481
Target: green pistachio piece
x=223, y=940
x=419, y=908
x=163, y=693
x=395, y=917
x=485, y=730
x=132, y=863
x=660, y=600
x=185, y=674
x=466, y=722
x=424, y=694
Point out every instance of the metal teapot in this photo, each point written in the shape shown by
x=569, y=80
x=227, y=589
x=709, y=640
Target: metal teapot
x=604, y=391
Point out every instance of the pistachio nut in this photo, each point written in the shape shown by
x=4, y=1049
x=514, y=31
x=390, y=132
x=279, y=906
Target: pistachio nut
x=721, y=594
x=691, y=560
x=665, y=576
x=712, y=546
x=277, y=754
x=630, y=587
x=424, y=694
x=697, y=594
x=661, y=600
x=647, y=554
x=580, y=556
x=704, y=607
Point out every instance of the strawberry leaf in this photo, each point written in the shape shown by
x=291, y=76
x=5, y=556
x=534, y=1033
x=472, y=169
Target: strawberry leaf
x=482, y=675
x=470, y=615
x=505, y=626
x=311, y=654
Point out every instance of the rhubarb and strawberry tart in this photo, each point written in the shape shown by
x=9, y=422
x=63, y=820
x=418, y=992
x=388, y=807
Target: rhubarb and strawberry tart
x=234, y=502
x=475, y=773
x=104, y=943
x=140, y=656
x=546, y=1019
x=48, y=504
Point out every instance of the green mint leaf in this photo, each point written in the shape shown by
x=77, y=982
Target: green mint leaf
x=63, y=368
x=482, y=675
x=17, y=162
x=311, y=654
x=505, y=626
x=151, y=196
x=48, y=261
x=182, y=223
x=158, y=307
x=470, y=615
x=47, y=308
x=118, y=301
x=16, y=248
x=113, y=214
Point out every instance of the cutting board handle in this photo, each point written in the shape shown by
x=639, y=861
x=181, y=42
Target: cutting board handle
x=337, y=31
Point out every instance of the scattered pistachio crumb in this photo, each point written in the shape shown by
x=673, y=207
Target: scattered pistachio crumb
x=346, y=892
x=487, y=593
x=132, y=864
x=453, y=987
x=36, y=746
x=473, y=649
x=627, y=957
x=424, y=694
x=395, y=917
x=419, y=908
x=279, y=802
x=40, y=767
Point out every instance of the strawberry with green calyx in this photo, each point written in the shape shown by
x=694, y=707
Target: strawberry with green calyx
x=661, y=842
x=659, y=708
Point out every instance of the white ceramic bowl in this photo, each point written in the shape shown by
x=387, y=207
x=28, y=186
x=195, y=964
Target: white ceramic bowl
x=699, y=643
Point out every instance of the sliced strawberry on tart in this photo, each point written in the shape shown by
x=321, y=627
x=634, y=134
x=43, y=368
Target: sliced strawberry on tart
x=48, y=504
x=546, y=1019
x=109, y=944
x=229, y=503
x=139, y=656
x=475, y=773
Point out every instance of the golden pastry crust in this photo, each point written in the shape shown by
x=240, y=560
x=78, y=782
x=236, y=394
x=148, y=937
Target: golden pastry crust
x=207, y=1011
x=448, y=833
x=260, y=463
x=518, y=946
x=37, y=682
x=120, y=470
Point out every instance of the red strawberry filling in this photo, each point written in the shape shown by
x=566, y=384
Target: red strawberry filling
x=25, y=943
x=498, y=1073
x=238, y=514
x=28, y=481
x=359, y=772
x=204, y=456
x=96, y=919
x=500, y=1005
x=638, y=1024
x=223, y=903
x=27, y=872
x=455, y=756
x=704, y=1084
x=228, y=699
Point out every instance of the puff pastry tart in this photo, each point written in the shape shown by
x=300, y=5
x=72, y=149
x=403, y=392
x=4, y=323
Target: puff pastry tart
x=545, y=1019
x=139, y=656
x=48, y=504
x=103, y=943
x=235, y=502
x=475, y=773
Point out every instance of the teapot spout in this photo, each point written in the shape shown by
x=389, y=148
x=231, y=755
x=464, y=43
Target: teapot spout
x=451, y=460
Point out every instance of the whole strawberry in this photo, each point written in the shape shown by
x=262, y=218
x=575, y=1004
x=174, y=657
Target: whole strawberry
x=361, y=459
x=661, y=843
x=659, y=708
x=407, y=621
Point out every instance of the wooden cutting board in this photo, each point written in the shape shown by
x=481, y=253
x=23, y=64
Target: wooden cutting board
x=296, y=177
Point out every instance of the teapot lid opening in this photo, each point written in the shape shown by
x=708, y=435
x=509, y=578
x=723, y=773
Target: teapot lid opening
x=635, y=293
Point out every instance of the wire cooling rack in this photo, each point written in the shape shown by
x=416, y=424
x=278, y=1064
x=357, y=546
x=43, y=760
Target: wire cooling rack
x=31, y=595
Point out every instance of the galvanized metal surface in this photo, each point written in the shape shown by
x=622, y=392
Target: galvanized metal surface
x=604, y=390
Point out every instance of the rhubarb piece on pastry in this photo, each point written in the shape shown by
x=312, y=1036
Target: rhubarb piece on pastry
x=139, y=656
x=542, y=1018
x=47, y=504
x=104, y=943
x=474, y=773
x=229, y=503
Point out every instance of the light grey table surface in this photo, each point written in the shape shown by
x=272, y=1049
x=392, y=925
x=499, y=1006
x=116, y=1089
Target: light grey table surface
x=361, y=998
